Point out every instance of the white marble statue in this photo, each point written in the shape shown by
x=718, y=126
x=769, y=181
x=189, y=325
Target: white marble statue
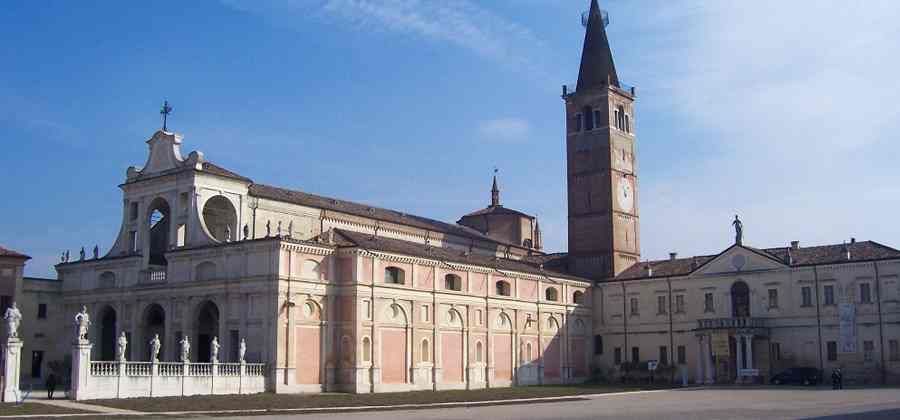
x=242, y=350
x=82, y=323
x=13, y=318
x=214, y=350
x=185, y=350
x=155, y=345
x=122, y=344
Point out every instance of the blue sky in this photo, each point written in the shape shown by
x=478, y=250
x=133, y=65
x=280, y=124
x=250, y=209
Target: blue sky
x=784, y=112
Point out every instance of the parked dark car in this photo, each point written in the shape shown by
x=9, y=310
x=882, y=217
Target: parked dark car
x=798, y=375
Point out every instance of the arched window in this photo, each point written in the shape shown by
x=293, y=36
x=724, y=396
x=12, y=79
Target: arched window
x=551, y=294
x=311, y=269
x=107, y=280
x=588, y=113
x=205, y=271
x=620, y=117
x=425, y=350
x=158, y=221
x=367, y=349
x=740, y=300
x=394, y=275
x=578, y=297
x=503, y=288
x=479, y=352
x=452, y=282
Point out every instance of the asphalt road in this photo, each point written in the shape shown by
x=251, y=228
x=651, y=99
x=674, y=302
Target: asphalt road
x=705, y=404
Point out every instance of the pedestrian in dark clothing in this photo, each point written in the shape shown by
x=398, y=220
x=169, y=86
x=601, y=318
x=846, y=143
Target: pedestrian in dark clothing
x=840, y=375
x=51, y=385
x=834, y=379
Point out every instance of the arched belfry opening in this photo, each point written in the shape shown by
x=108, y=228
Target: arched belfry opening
x=107, y=333
x=740, y=300
x=153, y=323
x=159, y=219
x=218, y=216
x=207, y=327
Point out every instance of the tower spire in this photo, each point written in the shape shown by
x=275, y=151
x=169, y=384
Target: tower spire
x=597, y=67
x=495, y=192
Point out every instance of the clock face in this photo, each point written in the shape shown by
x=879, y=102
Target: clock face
x=626, y=195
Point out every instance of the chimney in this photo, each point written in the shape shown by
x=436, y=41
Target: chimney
x=673, y=256
x=795, y=245
x=649, y=270
x=852, y=241
x=847, y=252
x=790, y=257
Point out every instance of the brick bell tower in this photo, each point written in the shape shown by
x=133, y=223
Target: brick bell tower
x=604, y=234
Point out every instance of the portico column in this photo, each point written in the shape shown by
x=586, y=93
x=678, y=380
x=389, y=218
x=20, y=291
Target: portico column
x=740, y=351
x=699, y=378
x=749, y=339
x=707, y=360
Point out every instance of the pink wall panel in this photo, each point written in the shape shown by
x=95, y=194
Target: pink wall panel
x=478, y=282
x=393, y=356
x=527, y=289
x=451, y=357
x=425, y=277
x=578, y=362
x=307, y=354
x=365, y=276
x=551, y=359
x=502, y=357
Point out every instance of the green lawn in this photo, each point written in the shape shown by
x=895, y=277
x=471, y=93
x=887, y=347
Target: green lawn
x=287, y=401
x=10, y=409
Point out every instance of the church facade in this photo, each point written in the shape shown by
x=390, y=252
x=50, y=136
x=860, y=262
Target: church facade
x=334, y=295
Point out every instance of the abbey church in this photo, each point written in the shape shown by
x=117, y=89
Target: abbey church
x=334, y=295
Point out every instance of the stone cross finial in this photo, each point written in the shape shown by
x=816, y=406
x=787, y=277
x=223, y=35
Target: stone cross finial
x=13, y=318
x=165, y=111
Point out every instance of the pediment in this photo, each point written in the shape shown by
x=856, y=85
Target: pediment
x=165, y=156
x=739, y=259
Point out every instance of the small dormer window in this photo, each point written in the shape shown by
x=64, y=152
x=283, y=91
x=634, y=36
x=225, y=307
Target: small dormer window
x=393, y=275
x=503, y=288
x=551, y=294
x=452, y=282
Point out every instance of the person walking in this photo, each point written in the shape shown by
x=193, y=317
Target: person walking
x=840, y=376
x=51, y=385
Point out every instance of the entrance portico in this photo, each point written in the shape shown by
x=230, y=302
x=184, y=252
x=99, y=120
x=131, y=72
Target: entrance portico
x=726, y=349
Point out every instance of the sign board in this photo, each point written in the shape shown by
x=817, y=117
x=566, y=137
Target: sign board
x=847, y=323
x=719, y=343
x=652, y=364
x=748, y=372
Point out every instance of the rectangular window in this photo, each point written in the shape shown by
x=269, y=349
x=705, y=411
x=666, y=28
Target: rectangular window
x=682, y=355
x=133, y=211
x=776, y=351
x=598, y=344
x=663, y=355
x=597, y=118
x=617, y=355
x=661, y=304
x=708, y=303
x=578, y=122
x=42, y=311
x=679, y=304
x=133, y=241
x=635, y=355
x=832, y=350
x=773, y=298
x=37, y=362
x=829, y=294
x=865, y=293
x=894, y=350
x=868, y=350
x=634, y=306
x=806, y=293
x=425, y=315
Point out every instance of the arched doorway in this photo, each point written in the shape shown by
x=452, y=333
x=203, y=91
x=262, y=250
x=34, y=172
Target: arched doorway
x=153, y=323
x=159, y=231
x=207, y=327
x=107, y=333
x=740, y=300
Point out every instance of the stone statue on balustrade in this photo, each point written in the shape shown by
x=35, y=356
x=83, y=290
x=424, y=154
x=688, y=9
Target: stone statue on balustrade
x=82, y=323
x=214, y=350
x=242, y=350
x=13, y=318
x=155, y=346
x=185, y=350
x=121, y=345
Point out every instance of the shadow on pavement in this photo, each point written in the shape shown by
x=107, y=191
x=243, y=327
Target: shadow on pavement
x=868, y=415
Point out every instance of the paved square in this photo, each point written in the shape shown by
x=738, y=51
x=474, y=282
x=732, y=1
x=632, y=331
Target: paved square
x=769, y=403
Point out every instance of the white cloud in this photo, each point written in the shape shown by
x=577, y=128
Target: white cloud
x=504, y=129
x=463, y=23
x=796, y=104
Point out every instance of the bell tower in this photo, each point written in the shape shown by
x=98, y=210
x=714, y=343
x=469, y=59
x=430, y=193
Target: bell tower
x=604, y=233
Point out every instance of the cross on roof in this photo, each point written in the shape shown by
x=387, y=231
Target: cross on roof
x=165, y=111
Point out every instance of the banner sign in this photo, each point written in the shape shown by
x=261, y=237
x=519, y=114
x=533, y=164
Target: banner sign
x=847, y=335
x=720, y=346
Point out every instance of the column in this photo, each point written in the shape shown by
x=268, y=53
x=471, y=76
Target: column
x=700, y=347
x=12, y=353
x=707, y=361
x=749, y=339
x=740, y=352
